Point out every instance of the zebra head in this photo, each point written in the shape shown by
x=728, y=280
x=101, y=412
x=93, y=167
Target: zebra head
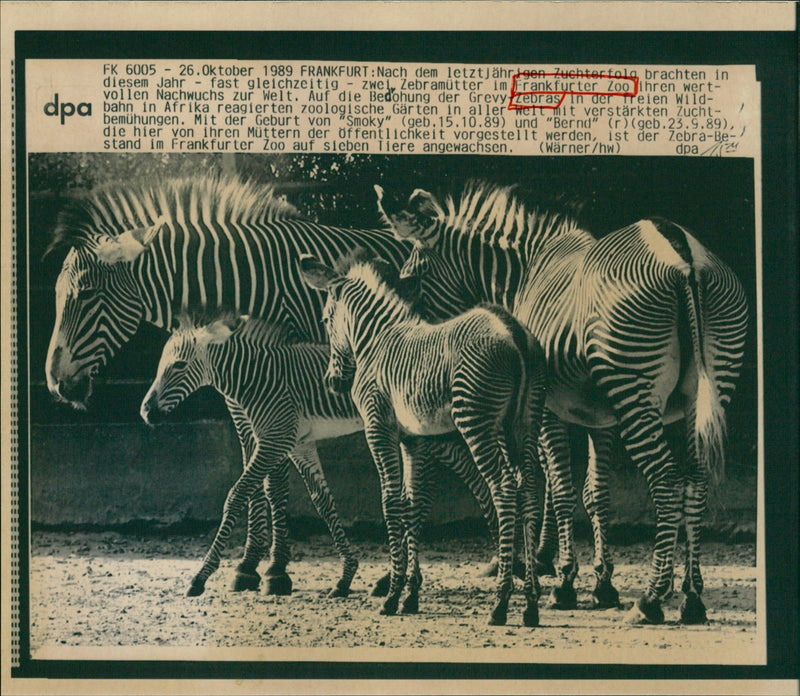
x=338, y=378
x=98, y=309
x=185, y=365
x=442, y=290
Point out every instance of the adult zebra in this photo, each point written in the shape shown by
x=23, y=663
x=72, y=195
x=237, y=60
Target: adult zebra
x=641, y=327
x=146, y=252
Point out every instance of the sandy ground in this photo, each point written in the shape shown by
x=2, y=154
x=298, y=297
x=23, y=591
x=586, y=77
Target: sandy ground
x=112, y=595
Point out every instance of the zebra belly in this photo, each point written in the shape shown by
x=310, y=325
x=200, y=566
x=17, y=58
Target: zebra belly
x=413, y=422
x=313, y=429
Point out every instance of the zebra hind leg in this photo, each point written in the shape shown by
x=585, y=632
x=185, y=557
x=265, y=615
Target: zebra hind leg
x=277, y=580
x=596, y=501
x=555, y=445
x=257, y=544
x=306, y=460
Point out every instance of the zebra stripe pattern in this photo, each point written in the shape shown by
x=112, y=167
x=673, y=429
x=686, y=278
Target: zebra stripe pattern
x=479, y=374
x=641, y=327
x=274, y=394
x=148, y=252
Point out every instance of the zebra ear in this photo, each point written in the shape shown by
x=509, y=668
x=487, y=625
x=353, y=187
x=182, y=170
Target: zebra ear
x=220, y=330
x=315, y=273
x=424, y=204
x=127, y=246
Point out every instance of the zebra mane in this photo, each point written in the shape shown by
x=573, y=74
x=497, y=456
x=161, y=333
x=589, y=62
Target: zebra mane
x=500, y=216
x=377, y=274
x=253, y=330
x=116, y=208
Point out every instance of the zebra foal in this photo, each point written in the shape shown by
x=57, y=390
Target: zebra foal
x=279, y=408
x=480, y=374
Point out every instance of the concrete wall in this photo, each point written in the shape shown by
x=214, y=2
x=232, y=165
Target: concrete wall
x=101, y=474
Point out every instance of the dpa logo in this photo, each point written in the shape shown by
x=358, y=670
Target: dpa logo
x=66, y=109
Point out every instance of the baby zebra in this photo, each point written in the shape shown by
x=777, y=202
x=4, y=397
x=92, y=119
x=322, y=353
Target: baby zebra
x=272, y=391
x=480, y=374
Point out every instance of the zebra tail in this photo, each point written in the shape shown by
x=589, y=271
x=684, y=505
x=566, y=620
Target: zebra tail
x=709, y=422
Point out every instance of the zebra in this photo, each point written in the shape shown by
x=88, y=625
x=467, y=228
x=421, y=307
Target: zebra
x=641, y=327
x=480, y=374
x=272, y=390
x=145, y=252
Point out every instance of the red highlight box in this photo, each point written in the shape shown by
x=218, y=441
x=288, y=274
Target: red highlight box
x=514, y=106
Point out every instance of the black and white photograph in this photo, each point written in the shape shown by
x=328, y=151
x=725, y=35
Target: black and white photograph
x=391, y=358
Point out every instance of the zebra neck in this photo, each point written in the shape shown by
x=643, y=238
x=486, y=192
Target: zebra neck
x=156, y=280
x=373, y=326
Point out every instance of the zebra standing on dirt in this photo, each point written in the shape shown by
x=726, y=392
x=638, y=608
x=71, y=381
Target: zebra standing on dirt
x=481, y=374
x=148, y=251
x=641, y=327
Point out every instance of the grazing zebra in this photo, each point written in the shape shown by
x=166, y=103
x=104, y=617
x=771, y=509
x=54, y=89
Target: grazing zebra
x=147, y=251
x=479, y=374
x=641, y=327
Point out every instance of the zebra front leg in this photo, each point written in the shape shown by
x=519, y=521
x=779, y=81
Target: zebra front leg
x=381, y=433
x=427, y=450
x=596, y=501
x=258, y=514
x=276, y=487
x=306, y=460
x=555, y=446
x=418, y=485
x=238, y=496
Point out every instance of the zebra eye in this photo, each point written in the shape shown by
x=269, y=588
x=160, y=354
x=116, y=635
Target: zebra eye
x=180, y=364
x=84, y=293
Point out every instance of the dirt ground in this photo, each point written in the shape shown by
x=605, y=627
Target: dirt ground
x=123, y=597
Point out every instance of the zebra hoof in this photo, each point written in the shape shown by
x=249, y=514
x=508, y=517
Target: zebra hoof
x=279, y=585
x=244, y=582
x=381, y=587
x=646, y=612
x=545, y=567
x=196, y=588
x=692, y=609
x=410, y=605
x=605, y=596
x=342, y=589
x=499, y=616
x=530, y=617
x=389, y=607
x=563, y=598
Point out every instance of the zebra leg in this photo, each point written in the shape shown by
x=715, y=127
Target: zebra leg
x=258, y=515
x=238, y=496
x=596, y=501
x=692, y=609
x=306, y=460
x=472, y=420
x=643, y=435
x=380, y=428
x=276, y=487
x=555, y=445
x=418, y=498
x=548, y=536
x=257, y=544
x=424, y=450
x=530, y=512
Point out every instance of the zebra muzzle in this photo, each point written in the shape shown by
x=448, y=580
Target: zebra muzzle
x=150, y=412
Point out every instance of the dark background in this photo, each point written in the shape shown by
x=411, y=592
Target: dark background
x=775, y=55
